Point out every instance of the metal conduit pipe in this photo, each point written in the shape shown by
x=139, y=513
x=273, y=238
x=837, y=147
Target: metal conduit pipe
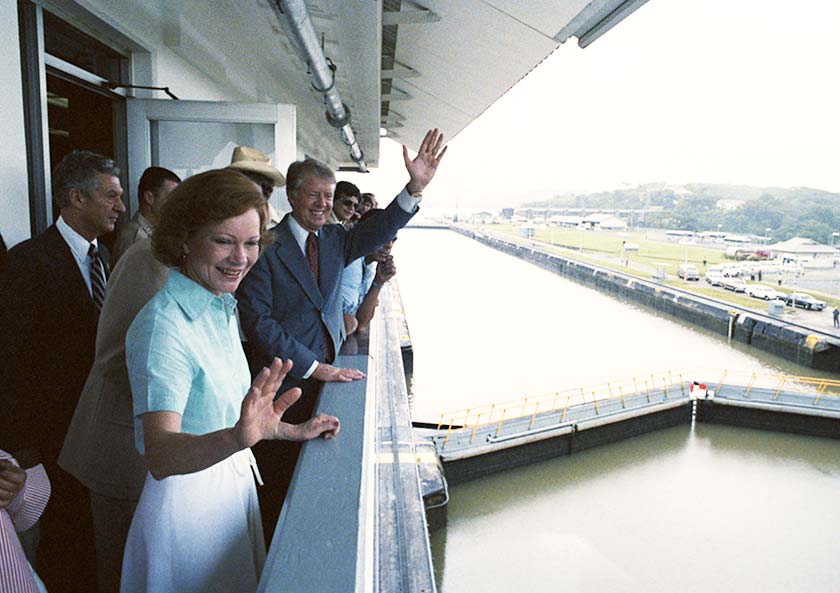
x=302, y=32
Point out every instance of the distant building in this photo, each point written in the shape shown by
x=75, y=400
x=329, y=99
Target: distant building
x=739, y=239
x=808, y=252
x=711, y=235
x=675, y=235
x=507, y=213
x=604, y=222
x=565, y=221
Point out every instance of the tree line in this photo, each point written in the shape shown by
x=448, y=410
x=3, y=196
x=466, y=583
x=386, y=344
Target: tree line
x=787, y=212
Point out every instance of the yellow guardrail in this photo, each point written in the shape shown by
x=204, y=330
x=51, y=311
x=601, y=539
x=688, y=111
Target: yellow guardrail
x=471, y=419
x=816, y=386
x=474, y=418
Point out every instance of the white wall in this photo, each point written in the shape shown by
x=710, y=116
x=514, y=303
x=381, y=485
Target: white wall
x=14, y=189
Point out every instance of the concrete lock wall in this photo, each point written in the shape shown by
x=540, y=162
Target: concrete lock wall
x=765, y=333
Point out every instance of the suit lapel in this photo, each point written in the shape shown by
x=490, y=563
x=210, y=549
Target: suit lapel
x=292, y=257
x=66, y=271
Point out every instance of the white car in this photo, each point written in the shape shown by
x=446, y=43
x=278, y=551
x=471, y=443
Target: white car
x=759, y=291
x=715, y=277
x=734, y=284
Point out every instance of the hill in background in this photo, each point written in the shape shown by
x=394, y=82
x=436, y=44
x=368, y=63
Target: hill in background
x=787, y=212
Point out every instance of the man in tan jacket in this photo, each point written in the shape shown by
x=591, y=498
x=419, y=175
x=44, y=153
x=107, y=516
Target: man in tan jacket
x=99, y=447
x=155, y=184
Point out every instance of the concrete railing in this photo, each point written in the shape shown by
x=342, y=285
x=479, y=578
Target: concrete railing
x=353, y=519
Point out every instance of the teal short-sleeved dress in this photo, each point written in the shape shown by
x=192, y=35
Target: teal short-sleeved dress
x=197, y=532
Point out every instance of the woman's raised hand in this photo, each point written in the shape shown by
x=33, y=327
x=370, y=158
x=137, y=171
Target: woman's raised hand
x=258, y=418
x=261, y=417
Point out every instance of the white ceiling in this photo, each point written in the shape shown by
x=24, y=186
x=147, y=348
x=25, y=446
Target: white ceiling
x=466, y=57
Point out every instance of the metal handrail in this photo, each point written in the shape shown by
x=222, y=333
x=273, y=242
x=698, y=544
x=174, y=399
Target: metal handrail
x=499, y=413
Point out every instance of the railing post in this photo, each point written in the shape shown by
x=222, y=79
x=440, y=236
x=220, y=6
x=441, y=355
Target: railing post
x=566, y=407
x=475, y=427
x=665, y=387
x=823, y=387
x=779, y=388
x=682, y=385
x=448, y=431
x=647, y=389
x=722, y=379
x=621, y=390
x=499, y=429
x=534, y=415
x=750, y=386
x=595, y=401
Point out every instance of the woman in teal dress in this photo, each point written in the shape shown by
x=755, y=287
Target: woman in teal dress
x=197, y=412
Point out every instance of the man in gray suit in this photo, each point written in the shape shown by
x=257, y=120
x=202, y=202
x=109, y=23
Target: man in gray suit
x=155, y=184
x=290, y=302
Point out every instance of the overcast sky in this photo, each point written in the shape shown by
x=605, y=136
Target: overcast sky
x=720, y=91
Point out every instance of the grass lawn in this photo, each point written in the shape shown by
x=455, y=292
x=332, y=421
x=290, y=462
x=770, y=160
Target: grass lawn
x=604, y=249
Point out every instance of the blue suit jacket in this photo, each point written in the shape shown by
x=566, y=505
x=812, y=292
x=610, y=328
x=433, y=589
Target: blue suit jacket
x=283, y=311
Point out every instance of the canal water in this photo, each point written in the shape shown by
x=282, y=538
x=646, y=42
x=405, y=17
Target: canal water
x=702, y=508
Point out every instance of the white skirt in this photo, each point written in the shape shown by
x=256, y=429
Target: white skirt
x=198, y=532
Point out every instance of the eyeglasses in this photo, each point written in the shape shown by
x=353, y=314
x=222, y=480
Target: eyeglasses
x=350, y=203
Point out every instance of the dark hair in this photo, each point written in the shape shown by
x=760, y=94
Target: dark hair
x=78, y=170
x=299, y=170
x=367, y=197
x=370, y=214
x=206, y=198
x=345, y=188
x=264, y=181
x=153, y=179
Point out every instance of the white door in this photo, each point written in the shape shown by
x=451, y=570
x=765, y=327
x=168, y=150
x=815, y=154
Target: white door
x=189, y=137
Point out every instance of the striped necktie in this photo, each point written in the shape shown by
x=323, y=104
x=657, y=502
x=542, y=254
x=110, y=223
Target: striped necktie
x=97, y=277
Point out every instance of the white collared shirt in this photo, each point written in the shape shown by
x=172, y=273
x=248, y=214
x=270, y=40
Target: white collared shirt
x=300, y=234
x=79, y=247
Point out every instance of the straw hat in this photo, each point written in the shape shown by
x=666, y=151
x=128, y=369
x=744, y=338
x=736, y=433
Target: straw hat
x=246, y=158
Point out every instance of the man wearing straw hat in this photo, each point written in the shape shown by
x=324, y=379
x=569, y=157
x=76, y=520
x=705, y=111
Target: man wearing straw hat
x=257, y=167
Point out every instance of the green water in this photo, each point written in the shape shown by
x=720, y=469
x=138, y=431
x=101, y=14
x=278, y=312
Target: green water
x=710, y=509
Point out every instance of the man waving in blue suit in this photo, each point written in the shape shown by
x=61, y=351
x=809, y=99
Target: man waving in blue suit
x=290, y=302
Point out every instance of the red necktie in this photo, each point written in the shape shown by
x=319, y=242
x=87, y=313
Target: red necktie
x=312, y=254
x=312, y=257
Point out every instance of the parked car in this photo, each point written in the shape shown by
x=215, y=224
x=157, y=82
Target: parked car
x=805, y=301
x=734, y=284
x=688, y=272
x=714, y=277
x=760, y=291
x=731, y=270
